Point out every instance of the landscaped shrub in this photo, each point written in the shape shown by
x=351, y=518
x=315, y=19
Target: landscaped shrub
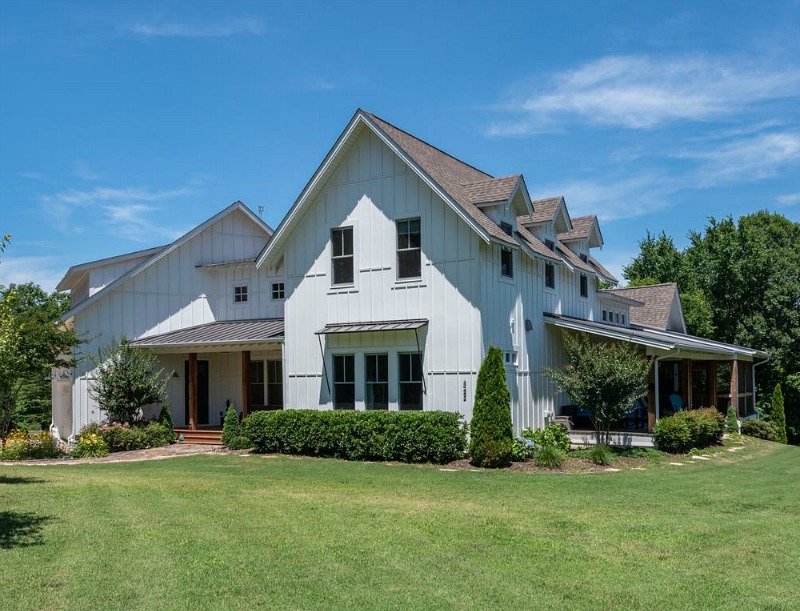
x=437, y=437
x=731, y=424
x=548, y=456
x=90, y=445
x=761, y=429
x=165, y=418
x=522, y=449
x=553, y=434
x=777, y=414
x=491, y=430
x=698, y=428
x=23, y=445
x=232, y=436
x=121, y=437
x=601, y=455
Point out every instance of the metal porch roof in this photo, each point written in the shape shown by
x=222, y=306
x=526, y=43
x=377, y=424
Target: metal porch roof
x=218, y=334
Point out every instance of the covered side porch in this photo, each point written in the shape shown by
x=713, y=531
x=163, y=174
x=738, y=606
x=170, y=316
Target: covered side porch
x=218, y=364
x=688, y=373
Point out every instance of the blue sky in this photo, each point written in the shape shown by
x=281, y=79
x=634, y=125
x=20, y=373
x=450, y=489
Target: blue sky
x=123, y=125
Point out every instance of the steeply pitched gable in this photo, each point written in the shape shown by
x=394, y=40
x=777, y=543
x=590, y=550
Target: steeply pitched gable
x=661, y=309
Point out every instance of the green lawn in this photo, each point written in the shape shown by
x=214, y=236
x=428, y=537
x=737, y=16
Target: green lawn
x=246, y=532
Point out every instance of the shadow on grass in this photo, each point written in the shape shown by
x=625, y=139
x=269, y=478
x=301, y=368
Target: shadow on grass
x=21, y=529
x=13, y=479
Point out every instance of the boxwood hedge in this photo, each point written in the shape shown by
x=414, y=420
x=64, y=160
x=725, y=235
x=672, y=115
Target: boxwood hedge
x=436, y=437
x=697, y=428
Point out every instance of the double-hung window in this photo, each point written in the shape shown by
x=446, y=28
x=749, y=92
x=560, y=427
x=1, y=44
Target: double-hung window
x=274, y=383
x=506, y=262
x=342, y=255
x=550, y=275
x=377, y=381
x=410, y=380
x=257, y=383
x=584, y=285
x=409, y=249
x=344, y=381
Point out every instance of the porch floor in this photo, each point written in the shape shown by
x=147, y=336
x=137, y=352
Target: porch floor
x=624, y=439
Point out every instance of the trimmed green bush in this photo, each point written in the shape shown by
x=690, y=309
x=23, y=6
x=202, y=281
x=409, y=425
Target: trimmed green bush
x=777, y=414
x=601, y=455
x=437, y=437
x=232, y=437
x=123, y=437
x=549, y=456
x=165, y=417
x=491, y=430
x=761, y=429
x=697, y=428
x=731, y=424
x=553, y=434
x=522, y=449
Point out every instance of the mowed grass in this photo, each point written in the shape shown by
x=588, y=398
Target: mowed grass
x=247, y=532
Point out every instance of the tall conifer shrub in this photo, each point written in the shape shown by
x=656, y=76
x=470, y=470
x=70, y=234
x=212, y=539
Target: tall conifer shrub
x=491, y=429
x=777, y=415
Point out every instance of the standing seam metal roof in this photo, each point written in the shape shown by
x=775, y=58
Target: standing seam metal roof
x=217, y=333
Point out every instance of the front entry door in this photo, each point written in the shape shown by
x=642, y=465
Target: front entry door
x=202, y=391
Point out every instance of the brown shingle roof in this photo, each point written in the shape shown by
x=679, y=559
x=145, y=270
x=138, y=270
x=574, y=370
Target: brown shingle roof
x=581, y=226
x=493, y=190
x=657, y=299
x=535, y=244
x=573, y=259
x=602, y=270
x=447, y=171
x=544, y=210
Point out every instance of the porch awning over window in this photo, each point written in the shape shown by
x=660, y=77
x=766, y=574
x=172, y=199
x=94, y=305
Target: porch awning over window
x=229, y=332
x=365, y=327
x=654, y=338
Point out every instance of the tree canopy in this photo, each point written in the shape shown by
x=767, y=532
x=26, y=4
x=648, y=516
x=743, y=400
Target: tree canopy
x=32, y=342
x=739, y=282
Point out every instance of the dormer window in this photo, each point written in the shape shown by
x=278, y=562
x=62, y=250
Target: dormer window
x=506, y=262
x=506, y=227
x=550, y=244
x=584, y=257
x=240, y=293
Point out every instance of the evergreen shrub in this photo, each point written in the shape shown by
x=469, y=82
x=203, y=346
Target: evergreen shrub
x=553, y=434
x=491, y=441
x=699, y=428
x=436, y=437
x=232, y=437
x=762, y=429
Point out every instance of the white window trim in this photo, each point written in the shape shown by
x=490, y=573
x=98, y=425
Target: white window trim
x=272, y=291
x=239, y=304
x=348, y=287
x=396, y=265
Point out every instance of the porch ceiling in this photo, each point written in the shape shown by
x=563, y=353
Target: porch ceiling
x=217, y=336
x=687, y=346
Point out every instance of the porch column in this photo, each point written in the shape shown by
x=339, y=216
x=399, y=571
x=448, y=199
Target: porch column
x=193, y=390
x=687, y=382
x=712, y=384
x=651, y=399
x=245, y=382
x=735, y=386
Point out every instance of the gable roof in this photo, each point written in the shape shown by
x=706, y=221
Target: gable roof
x=584, y=227
x=459, y=184
x=572, y=259
x=607, y=275
x=658, y=300
x=237, y=205
x=535, y=246
x=76, y=271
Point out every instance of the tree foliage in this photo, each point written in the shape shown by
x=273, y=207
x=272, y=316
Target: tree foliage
x=491, y=430
x=739, y=282
x=126, y=380
x=604, y=379
x=32, y=342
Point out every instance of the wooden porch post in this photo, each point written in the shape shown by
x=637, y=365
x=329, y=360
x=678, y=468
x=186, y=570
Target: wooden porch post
x=735, y=386
x=193, y=390
x=712, y=384
x=245, y=382
x=651, y=399
x=687, y=382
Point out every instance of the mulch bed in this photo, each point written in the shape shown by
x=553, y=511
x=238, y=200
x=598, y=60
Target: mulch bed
x=571, y=465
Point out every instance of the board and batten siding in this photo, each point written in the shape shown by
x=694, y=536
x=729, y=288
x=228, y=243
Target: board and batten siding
x=174, y=294
x=370, y=190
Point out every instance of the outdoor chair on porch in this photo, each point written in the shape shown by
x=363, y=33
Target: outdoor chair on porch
x=677, y=402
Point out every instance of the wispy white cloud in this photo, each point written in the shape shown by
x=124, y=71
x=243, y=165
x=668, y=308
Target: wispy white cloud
x=132, y=221
x=229, y=27
x=745, y=159
x=44, y=271
x=37, y=176
x=788, y=200
x=82, y=171
x=642, y=92
x=76, y=197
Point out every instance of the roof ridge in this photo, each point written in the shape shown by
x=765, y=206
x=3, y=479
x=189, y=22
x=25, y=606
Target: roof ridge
x=644, y=286
x=428, y=144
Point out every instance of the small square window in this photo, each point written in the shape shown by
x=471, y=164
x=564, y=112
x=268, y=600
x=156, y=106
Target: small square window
x=549, y=275
x=584, y=285
x=277, y=290
x=506, y=262
x=240, y=294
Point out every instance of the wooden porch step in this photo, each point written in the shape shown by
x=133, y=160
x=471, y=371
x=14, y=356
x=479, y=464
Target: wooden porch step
x=200, y=436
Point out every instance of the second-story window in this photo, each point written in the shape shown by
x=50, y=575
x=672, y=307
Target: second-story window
x=277, y=290
x=584, y=257
x=550, y=244
x=506, y=262
x=550, y=275
x=240, y=294
x=409, y=249
x=584, y=285
x=342, y=255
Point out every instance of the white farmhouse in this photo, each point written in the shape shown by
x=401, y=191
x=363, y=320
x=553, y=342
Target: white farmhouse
x=382, y=288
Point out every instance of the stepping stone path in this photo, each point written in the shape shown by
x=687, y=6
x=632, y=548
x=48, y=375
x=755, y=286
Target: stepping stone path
x=610, y=470
x=676, y=464
x=701, y=458
x=450, y=470
x=736, y=449
x=638, y=469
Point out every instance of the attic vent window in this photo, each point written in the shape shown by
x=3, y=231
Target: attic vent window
x=584, y=258
x=506, y=227
x=550, y=244
x=240, y=294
